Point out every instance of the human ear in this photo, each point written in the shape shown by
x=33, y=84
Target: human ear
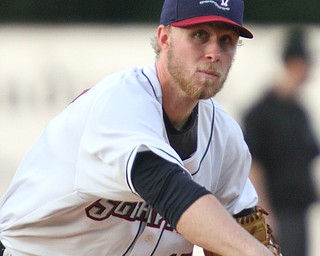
x=163, y=36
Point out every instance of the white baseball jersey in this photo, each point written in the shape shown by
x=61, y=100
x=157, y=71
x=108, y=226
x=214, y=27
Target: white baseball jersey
x=73, y=195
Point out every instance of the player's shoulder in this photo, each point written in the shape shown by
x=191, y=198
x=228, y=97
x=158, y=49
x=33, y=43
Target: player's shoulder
x=117, y=79
x=223, y=120
x=122, y=85
x=219, y=111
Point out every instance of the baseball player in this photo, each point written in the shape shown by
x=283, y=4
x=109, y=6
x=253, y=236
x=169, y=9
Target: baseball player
x=145, y=162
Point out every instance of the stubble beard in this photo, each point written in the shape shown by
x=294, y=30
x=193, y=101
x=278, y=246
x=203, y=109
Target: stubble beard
x=209, y=87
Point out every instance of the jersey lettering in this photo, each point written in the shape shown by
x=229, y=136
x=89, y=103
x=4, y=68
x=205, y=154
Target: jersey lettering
x=102, y=209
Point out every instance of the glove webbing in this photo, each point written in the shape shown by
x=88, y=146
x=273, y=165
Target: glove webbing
x=256, y=225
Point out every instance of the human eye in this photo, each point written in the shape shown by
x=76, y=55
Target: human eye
x=228, y=41
x=201, y=35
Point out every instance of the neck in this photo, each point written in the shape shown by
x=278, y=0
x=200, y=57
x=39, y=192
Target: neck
x=177, y=105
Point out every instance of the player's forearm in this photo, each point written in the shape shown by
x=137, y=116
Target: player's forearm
x=207, y=224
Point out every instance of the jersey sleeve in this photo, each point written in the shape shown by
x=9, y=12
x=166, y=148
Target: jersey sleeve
x=124, y=120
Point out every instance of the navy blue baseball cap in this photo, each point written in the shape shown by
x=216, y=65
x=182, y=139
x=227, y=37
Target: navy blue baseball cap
x=184, y=13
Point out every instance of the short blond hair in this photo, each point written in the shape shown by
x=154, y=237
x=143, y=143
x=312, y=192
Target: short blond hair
x=155, y=44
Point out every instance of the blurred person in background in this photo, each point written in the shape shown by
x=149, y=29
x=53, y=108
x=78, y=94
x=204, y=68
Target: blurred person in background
x=283, y=147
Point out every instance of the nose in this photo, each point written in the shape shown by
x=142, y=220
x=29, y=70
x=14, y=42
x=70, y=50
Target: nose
x=213, y=51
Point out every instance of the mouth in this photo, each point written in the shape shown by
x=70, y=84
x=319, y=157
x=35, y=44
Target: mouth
x=209, y=70
x=210, y=73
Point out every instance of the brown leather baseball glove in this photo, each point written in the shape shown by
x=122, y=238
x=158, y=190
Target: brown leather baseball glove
x=256, y=225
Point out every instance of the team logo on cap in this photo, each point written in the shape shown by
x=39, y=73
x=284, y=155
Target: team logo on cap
x=222, y=5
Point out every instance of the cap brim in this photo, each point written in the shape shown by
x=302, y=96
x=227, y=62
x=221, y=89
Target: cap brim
x=243, y=32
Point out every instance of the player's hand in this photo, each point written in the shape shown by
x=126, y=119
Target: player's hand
x=274, y=252
x=256, y=225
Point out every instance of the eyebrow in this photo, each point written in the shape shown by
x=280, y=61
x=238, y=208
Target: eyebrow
x=219, y=25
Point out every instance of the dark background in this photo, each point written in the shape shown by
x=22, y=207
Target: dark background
x=61, y=11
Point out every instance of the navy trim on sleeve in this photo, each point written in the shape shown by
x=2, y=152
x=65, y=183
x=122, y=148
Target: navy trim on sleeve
x=165, y=186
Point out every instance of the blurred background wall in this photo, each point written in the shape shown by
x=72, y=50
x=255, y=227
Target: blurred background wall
x=50, y=51
x=267, y=11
